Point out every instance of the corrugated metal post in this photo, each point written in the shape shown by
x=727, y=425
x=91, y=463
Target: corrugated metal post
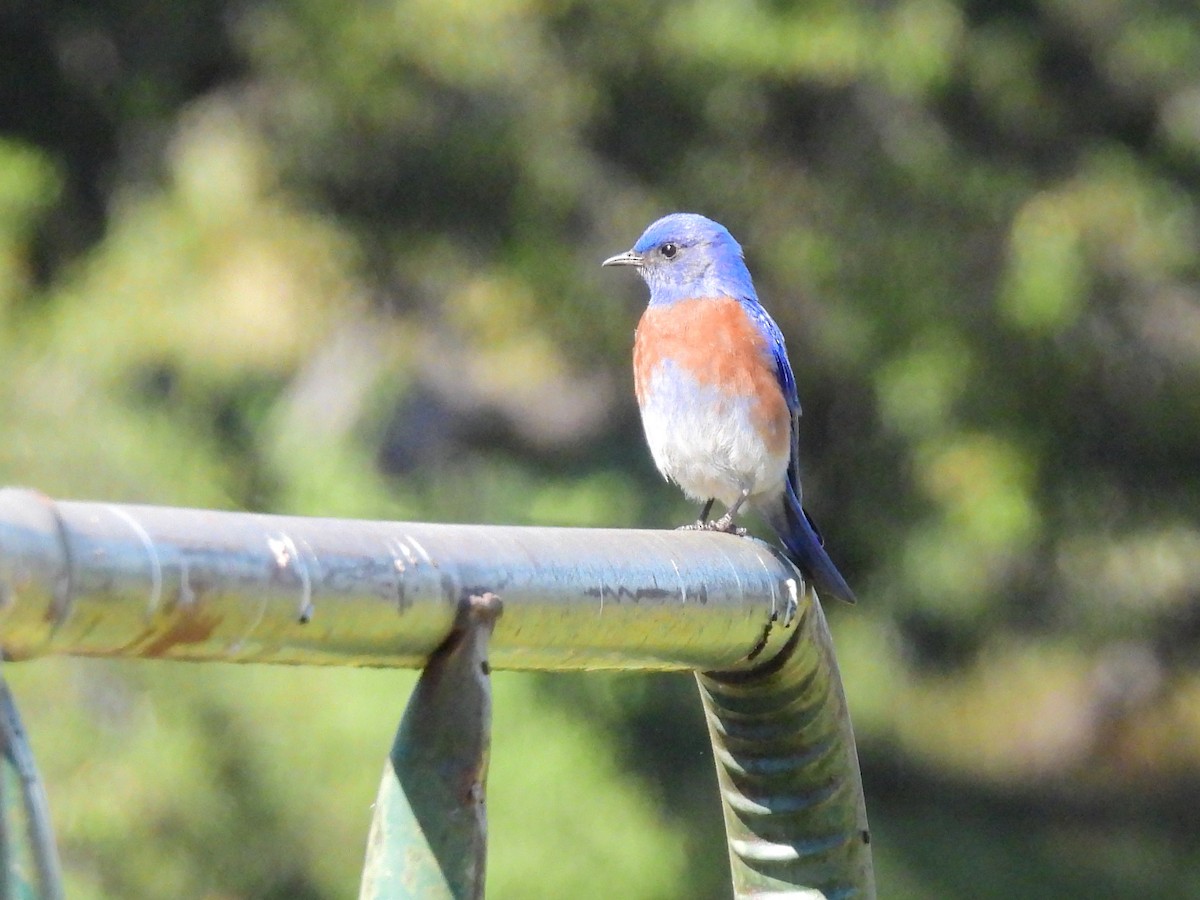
x=792, y=793
x=428, y=838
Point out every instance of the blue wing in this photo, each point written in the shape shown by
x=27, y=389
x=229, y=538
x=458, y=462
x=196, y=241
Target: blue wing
x=785, y=377
x=789, y=519
x=783, y=368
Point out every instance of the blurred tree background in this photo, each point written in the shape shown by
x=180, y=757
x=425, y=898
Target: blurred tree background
x=343, y=259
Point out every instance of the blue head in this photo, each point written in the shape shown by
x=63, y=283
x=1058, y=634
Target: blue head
x=685, y=255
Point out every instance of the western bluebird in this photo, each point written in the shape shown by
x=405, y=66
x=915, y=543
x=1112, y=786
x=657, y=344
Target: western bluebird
x=717, y=394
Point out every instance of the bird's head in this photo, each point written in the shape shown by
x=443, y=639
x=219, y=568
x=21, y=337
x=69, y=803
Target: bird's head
x=683, y=256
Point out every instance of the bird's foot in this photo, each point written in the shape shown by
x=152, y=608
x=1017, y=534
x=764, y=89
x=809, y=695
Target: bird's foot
x=726, y=525
x=698, y=525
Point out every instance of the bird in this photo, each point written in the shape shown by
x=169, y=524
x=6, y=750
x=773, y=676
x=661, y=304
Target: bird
x=717, y=394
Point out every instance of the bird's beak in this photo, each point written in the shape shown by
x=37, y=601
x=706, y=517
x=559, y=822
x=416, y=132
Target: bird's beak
x=628, y=258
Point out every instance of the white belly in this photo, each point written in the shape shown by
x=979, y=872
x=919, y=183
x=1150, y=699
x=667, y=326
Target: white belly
x=707, y=443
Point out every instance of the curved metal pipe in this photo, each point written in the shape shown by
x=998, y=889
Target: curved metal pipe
x=795, y=816
x=97, y=579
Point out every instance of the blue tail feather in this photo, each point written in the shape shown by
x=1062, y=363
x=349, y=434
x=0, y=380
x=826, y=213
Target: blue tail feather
x=805, y=549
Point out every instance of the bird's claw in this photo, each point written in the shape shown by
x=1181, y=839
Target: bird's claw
x=725, y=525
x=698, y=525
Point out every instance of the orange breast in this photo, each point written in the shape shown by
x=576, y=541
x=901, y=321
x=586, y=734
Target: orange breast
x=716, y=343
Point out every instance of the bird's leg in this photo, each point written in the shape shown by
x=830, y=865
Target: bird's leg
x=701, y=523
x=725, y=523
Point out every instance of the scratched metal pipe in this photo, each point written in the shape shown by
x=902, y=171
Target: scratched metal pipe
x=103, y=579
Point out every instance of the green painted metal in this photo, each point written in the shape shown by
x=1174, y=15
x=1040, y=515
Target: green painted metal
x=429, y=834
x=792, y=794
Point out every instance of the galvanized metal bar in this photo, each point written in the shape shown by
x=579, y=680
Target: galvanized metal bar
x=429, y=833
x=795, y=816
x=102, y=579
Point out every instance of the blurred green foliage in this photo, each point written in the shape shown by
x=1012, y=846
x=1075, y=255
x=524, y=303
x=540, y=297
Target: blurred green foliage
x=340, y=259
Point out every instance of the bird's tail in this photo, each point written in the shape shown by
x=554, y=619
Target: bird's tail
x=805, y=548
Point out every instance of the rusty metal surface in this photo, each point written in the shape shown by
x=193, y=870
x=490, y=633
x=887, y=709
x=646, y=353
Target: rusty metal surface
x=101, y=579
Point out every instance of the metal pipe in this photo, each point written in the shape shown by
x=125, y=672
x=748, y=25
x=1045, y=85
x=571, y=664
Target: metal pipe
x=37, y=843
x=795, y=816
x=100, y=579
x=104, y=579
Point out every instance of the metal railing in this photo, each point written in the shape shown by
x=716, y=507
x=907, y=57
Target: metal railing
x=99, y=579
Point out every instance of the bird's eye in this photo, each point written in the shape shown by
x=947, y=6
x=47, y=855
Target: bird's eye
x=668, y=250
